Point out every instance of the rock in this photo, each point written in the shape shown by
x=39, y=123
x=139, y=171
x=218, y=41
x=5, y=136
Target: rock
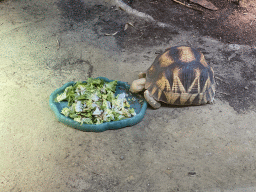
x=234, y=47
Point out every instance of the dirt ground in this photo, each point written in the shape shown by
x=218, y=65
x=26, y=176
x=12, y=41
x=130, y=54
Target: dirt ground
x=231, y=23
x=45, y=44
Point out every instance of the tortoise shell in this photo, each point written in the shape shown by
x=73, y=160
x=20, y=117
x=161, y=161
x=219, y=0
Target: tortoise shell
x=181, y=76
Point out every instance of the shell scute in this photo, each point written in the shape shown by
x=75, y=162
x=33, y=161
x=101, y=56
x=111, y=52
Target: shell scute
x=186, y=54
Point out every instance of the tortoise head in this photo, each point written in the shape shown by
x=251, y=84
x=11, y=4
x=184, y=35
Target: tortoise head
x=138, y=85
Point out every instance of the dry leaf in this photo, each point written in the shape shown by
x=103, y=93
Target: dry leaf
x=131, y=24
x=126, y=26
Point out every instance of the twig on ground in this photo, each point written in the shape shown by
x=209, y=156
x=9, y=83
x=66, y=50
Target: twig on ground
x=187, y=6
x=112, y=34
x=58, y=44
x=206, y=4
x=221, y=80
x=132, y=11
x=223, y=93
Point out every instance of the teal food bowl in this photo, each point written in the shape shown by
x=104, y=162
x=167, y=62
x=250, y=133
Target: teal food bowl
x=136, y=101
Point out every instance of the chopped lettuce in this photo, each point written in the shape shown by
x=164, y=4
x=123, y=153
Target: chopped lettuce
x=65, y=111
x=111, y=86
x=94, y=102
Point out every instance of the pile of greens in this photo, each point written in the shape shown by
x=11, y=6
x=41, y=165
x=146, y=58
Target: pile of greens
x=94, y=102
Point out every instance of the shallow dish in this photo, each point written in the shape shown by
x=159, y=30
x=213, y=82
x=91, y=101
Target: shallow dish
x=135, y=101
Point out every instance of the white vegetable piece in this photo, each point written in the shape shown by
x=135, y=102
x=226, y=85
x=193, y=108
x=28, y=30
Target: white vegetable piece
x=103, y=90
x=105, y=116
x=108, y=114
x=97, y=111
x=79, y=106
x=95, y=97
x=83, y=89
x=109, y=104
x=94, y=105
x=121, y=96
x=120, y=100
x=80, y=90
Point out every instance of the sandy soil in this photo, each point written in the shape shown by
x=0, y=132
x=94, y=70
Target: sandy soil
x=43, y=45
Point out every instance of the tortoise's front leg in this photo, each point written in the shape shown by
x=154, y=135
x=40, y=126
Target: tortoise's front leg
x=151, y=101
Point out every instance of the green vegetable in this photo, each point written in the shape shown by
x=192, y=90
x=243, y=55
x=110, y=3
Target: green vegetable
x=94, y=102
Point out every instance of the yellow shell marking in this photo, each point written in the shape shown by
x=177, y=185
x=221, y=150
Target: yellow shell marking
x=153, y=90
x=183, y=98
x=186, y=54
x=162, y=83
x=204, y=99
x=177, y=85
x=200, y=97
x=202, y=60
x=151, y=70
x=165, y=60
x=196, y=83
x=193, y=96
x=171, y=97
x=159, y=94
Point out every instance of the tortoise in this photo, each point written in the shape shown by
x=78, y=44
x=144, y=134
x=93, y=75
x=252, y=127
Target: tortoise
x=179, y=76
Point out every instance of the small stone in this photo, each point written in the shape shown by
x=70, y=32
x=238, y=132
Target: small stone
x=191, y=173
x=246, y=88
x=234, y=47
x=253, y=82
x=122, y=157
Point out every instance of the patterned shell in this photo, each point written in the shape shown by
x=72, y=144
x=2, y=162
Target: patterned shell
x=181, y=76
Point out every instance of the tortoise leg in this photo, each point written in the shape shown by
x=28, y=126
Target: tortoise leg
x=155, y=104
x=142, y=75
x=138, y=85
